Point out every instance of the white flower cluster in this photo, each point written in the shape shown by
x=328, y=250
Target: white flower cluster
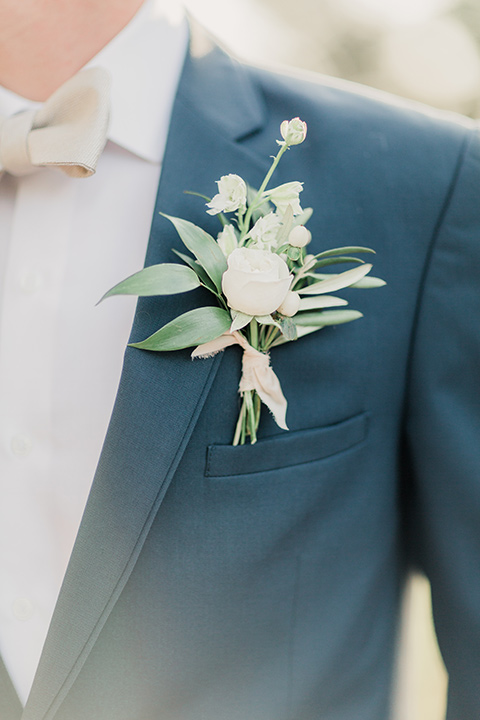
x=261, y=277
x=257, y=281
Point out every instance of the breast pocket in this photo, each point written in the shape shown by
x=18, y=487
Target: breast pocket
x=287, y=449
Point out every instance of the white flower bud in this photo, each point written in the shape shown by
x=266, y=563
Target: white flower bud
x=232, y=195
x=299, y=236
x=227, y=240
x=290, y=305
x=293, y=131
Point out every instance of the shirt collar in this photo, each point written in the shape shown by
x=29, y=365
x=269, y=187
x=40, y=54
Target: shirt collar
x=145, y=61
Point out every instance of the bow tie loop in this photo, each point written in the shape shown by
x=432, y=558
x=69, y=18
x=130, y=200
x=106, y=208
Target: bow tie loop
x=68, y=131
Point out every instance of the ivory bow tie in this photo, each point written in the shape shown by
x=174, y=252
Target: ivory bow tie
x=68, y=131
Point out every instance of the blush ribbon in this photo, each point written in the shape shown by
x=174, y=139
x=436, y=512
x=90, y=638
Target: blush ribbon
x=256, y=373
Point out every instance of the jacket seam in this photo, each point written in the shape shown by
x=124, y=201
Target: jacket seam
x=427, y=264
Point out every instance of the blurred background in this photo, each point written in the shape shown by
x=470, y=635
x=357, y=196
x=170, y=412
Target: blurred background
x=425, y=50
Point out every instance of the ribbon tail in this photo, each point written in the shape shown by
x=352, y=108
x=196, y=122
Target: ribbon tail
x=269, y=390
x=214, y=346
x=259, y=376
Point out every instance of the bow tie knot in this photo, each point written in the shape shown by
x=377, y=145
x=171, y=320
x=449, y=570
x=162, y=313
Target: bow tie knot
x=68, y=131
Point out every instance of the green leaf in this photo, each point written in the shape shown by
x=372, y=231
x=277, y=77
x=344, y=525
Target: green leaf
x=288, y=328
x=306, y=330
x=197, y=194
x=346, y=249
x=203, y=246
x=369, y=282
x=304, y=217
x=188, y=330
x=301, y=331
x=336, y=281
x=197, y=268
x=327, y=317
x=317, y=302
x=337, y=259
x=164, y=279
x=287, y=224
x=267, y=320
x=293, y=253
x=239, y=320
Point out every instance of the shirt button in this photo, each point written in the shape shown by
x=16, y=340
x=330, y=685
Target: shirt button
x=21, y=446
x=30, y=281
x=22, y=609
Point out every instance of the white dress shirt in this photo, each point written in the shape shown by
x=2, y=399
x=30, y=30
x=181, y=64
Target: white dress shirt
x=63, y=243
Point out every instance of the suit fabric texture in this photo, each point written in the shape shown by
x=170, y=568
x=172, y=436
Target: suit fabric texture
x=212, y=582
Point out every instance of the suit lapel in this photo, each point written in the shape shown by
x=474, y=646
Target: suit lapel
x=160, y=394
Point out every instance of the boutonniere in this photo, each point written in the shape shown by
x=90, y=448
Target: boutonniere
x=268, y=290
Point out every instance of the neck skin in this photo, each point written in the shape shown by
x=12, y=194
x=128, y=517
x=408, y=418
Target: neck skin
x=44, y=42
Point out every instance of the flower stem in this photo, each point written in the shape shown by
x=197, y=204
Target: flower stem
x=258, y=408
x=244, y=425
x=240, y=426
x=270, y=338
x=254, y=334
x=248, y=418
x=263, y=186
x=251, y=418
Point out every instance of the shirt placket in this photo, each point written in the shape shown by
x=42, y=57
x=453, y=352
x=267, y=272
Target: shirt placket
x=32, y=294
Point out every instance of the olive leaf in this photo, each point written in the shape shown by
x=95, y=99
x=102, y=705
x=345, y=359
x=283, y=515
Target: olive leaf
x=327, y=317
x=337, y=281
x=239, y=320
x=369, y=282
x=335, y=259
x=345, y=249
x=317, y=302
x=203, y=246
x=198, y=269
x=163, y=279
x=267, y=320
x=190, y=329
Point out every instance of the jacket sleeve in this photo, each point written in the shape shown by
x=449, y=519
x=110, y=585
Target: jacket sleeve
x=443, y=433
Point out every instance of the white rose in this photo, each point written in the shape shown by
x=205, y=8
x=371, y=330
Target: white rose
x=285, y=195
x=293, y=131
x=256, y=281
x=232, y=194
x=291, y=304
x=299, y=236
x=265, y=231
x=227, y=240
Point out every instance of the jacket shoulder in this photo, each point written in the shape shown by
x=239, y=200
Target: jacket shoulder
x=361, y=122
x=352, y=102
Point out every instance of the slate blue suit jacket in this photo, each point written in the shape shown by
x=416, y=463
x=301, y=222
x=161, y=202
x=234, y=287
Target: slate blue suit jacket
x=262, y=582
